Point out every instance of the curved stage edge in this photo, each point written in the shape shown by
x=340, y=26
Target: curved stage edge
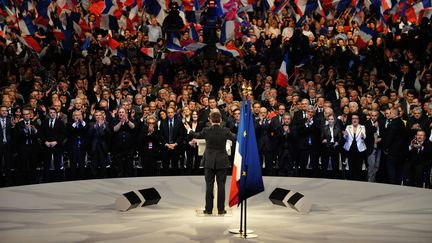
x=342, y=211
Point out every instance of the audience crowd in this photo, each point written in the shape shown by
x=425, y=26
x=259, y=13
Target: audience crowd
x=348, y=110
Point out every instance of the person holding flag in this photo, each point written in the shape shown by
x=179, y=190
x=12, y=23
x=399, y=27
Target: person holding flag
x=215, y=159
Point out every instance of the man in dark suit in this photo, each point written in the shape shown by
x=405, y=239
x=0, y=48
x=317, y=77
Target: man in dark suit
x=215, y=159
x=99, y=135
x=393, y=144
x=77, y=144
x=148, y=144
x=5, y=146
x=264, y=140
x=418, y=165
x=172, y=134
x=308, y=142
x=27, y=135
x=286, y=146
x=123, y=144
x=53, y=132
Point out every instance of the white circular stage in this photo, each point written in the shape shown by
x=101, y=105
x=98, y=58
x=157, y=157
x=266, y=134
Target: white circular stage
x=342, y=211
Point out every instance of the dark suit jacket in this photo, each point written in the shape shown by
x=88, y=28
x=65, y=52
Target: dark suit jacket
x=263, y=135
x=76, y=135
x=99, y=138
x=394, y=138
x=215, y=155
x=305, y=132
x=337, y=134
x=58, y=133
x=178, y=132
x=422, y=157
x=286, y=141
x=370, y=139
x=297, y=118
x=23, y=137
x=8, y=132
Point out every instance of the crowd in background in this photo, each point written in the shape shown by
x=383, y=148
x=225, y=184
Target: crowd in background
x=350, y=110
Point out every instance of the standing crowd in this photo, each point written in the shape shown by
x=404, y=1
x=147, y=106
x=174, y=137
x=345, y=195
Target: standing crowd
x=347, y=111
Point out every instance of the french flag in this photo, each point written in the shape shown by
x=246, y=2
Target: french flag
x=269, y=5
x=387, y=4
x=195, y=47
x=86, y=43
x=238, y=160
x=305, y=7
x=112, y=43
x=414, y=13
x=172, y=46
x=148, y=51
x=156, y=8
x=108, y=22
x=365, y=35
x=193, y=31
x=281, y=6
x=229, y=30
x=30, y=42
x=229, y=51
x=282, y=77
x=26, y=26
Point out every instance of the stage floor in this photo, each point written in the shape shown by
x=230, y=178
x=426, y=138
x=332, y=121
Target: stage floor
x=342, y=211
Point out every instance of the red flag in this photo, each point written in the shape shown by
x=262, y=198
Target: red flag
x=148, y=51
x=32, y=44
x=97, y=7
x=113, y=44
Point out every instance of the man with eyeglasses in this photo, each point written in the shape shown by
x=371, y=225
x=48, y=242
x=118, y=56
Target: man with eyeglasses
x=149, y=139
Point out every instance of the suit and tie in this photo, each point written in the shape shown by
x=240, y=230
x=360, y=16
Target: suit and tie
x=77, y=147
x=27, y=144
x=99, y=138
x=215, y=162
x=171, y=132
x=418, y=165
x=394, y=147
x=5, y=149
x=53, y=130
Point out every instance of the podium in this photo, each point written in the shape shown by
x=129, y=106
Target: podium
x=201, y=143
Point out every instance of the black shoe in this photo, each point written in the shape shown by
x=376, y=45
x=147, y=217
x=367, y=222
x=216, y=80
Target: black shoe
x=222, y=212
x=207, y=212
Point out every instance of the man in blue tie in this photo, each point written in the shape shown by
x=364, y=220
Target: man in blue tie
x=172, y=135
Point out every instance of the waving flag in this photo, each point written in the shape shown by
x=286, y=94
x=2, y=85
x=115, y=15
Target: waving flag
x=247, y=178
x=305, y=7
x=282, y=78
x=227, y=51
x=30, y=43
x=112, y=43
x=86, y=44
x=97, y=7
x=148, y=51
x=365, y=35
x=26, y=26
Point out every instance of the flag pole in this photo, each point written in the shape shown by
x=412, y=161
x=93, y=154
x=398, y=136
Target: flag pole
x=247, y=93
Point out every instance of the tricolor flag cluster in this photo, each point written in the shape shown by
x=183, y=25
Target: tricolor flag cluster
x=246, y=178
